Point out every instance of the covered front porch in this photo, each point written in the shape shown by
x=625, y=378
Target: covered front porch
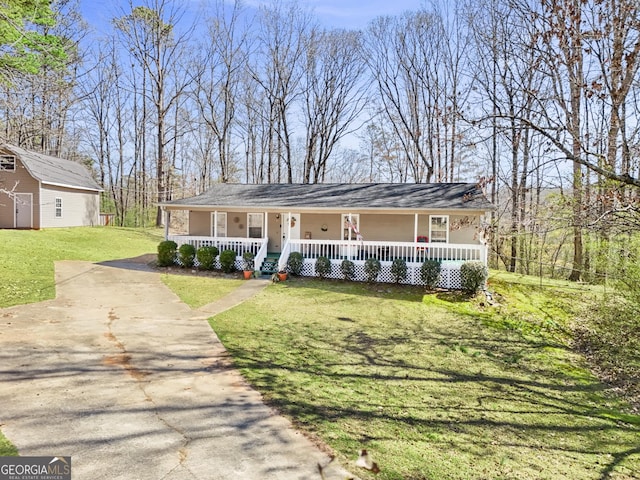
x=450, y=256
x=355, y=222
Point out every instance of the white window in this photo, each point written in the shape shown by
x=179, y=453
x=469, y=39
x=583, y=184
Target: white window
x=58, y=207
x=351, y=226
x=254, y=225
x=8, y=163
x=219, y=224
x=439, y=228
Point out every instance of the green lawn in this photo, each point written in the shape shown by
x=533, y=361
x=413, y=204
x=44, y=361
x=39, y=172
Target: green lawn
x=435, y=386
x=26, y=260
x=198, y=291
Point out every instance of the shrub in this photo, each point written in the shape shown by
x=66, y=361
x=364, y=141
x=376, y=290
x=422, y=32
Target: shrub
x=473, y=276
x=228, y=261
x=295, y=262
x=167, y=253
x=372, y=269
x=608, y=334
x=247, y=260
x=323, y=267
x=348, y=269
x=430, y=273
x=607, y=330
x=399, y=270
x=186, y=255
x=206, y=257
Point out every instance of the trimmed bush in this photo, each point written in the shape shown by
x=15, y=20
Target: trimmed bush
x=372, y=269
x=186, y=255
x=473, y=276
x=228, y=261
x=294, y=263
x=323, y=267
x=430, y=273
x=399, y=270
x=167, y=253
x=348, y=269
x=207, y=257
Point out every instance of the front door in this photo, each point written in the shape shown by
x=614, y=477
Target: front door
x=24, y=210
x=290, y=227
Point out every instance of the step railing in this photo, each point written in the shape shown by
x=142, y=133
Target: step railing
x=261, y=254
x=284, y=256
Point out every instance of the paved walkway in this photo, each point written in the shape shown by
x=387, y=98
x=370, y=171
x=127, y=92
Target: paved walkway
x=120, y=374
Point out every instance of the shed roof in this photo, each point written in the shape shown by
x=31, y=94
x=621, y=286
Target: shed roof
x=54, y=171
x=441, y=196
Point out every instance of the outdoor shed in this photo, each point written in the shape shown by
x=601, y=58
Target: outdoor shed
x=415, y=222
x=40, y=191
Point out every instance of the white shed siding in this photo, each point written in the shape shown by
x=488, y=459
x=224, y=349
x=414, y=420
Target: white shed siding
x=79, y=208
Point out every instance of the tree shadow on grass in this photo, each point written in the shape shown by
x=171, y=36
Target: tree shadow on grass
x=392, y=291
x=486, y=394
x=552, y=415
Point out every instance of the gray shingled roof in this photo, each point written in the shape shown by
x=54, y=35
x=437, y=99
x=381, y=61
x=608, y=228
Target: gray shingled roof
x=54, y=171
x=343, y=196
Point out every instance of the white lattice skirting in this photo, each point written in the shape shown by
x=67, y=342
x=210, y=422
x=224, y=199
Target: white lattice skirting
x=449, y=273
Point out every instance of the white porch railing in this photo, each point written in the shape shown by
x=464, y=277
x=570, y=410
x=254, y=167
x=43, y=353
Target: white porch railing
x=449, y=255
x=238, y=244
x=257, y=246
x=416, y=252
x=344, y=249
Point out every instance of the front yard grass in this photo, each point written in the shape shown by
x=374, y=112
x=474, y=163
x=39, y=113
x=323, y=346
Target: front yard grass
x=199, y=291
x=434, y=386
x=27, y=257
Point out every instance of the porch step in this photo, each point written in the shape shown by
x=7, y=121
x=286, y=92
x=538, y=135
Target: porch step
x=270, y=265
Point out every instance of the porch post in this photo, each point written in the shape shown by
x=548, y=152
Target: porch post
x=266, y=225
x=289, y=227
x=167, y=219
x=415, y=236
x=415, y=248
x=349, y=230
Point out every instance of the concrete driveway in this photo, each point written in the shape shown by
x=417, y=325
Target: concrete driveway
x=129, y=381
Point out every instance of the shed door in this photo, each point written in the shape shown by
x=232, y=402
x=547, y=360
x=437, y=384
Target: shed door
x=24, y=210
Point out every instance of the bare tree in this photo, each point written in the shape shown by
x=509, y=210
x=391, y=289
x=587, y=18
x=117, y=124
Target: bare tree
x=334, y=95
x=148, y=32
x=36, y=104
x=107, y=101
x=255, y=127
x=218, y=78
x=416, y=63
x=283, y=28
x=509, y=75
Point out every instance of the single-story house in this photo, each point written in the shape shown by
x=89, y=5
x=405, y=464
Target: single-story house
x=40, y=191
x=415, y=222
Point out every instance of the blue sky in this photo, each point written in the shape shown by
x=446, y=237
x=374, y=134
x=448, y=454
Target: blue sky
x=331, y=13
x=353, y=13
